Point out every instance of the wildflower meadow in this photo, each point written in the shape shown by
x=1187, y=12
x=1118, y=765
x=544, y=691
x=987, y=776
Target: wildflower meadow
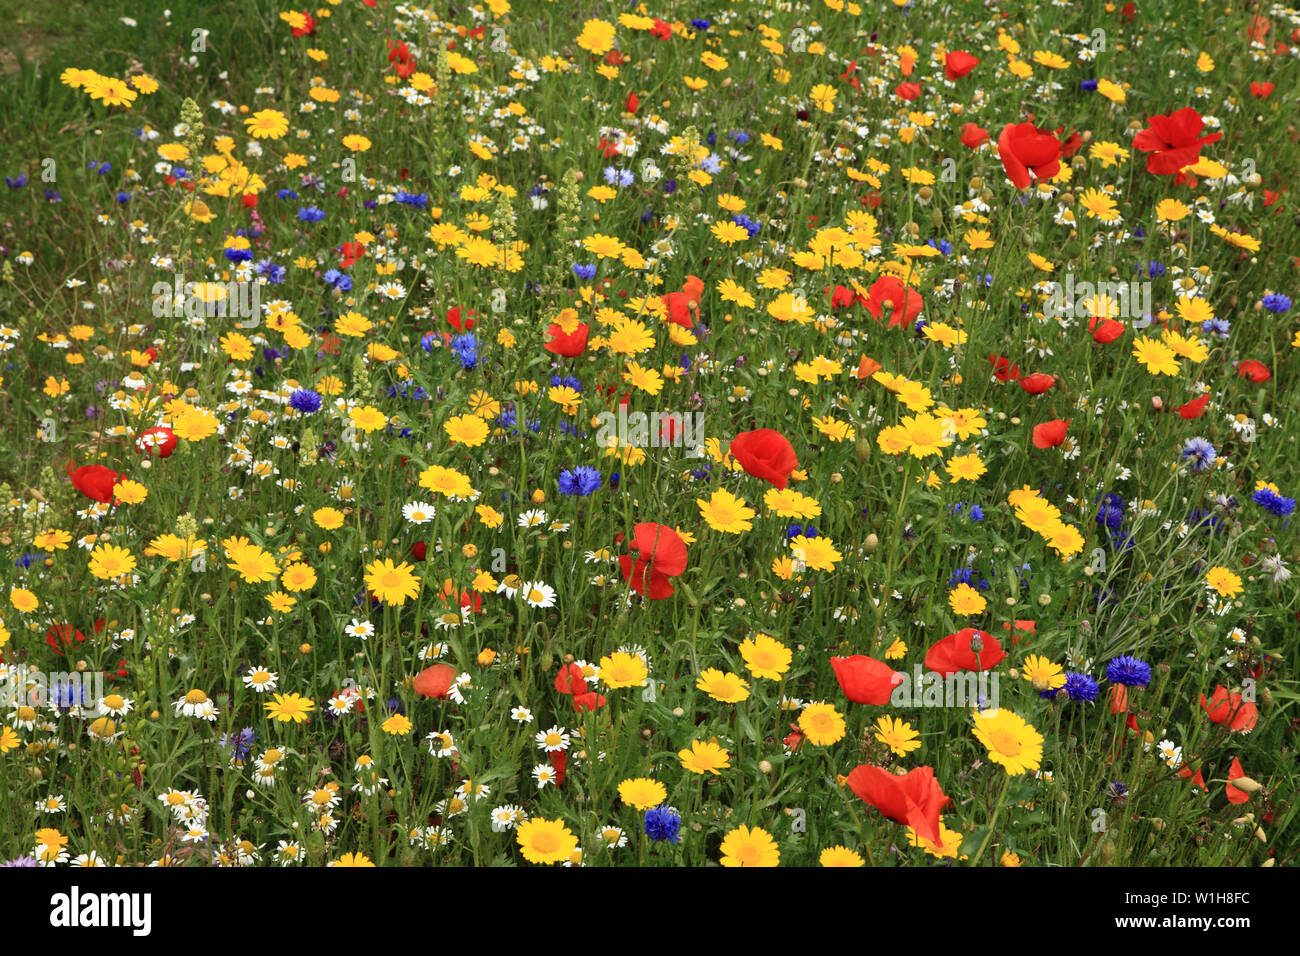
x=517, y=433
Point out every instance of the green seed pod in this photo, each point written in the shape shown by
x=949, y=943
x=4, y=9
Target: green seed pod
x=862, y=449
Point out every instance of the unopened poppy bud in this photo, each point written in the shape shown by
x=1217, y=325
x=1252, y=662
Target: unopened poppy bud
x=862, y=449
x=1157, y=403
x=765, y=766
x=1246, y=784
x=872, y=542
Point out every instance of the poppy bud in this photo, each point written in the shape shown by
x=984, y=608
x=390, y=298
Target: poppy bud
x=862, y=449
x=872, y=542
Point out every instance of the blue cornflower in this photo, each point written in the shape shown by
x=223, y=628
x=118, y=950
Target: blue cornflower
x=240, y=745
x=311, y=214
x=1081, y=687
x=418, y=200
x=738, y=136
x=466, y=349
x=287, y=194
x=670, y=186
x=305, y=401
x=751, y=227
x=1117, y=790
x=580, y=481
x=20, y=861
x=1276, y=302
x=663, y=823
x=1199, y=453
x=52, y=195
x=619, y=177
x=1272, y=502
x=976, y=513
x=712, y=164
x=17, y=182
x=239, y=255
x=1128, y=671
x=1088, y=86
x=567, y=381
x=1219, y=327
x=584, y=272
x=700, y=24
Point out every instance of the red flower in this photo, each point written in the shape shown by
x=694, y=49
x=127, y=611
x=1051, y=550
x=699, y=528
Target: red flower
x=1003, y=370
x=1105, y=331
x=1234, y=772
x=570, y=680
x=679, y=309
x=434, y=681
x=915, y=799
x=1050, y=434
x=1037, y=383
x=559, y=759
x=661, y=30
x=351, y=252
x=568, y=344
x=307, y=29
x=632, y=103
x=160, y=441
x=954, y=653
x=973, y=136
x=842, y=298
x=453, y=317
x=94, y=481
x=1255, y=371
x=1027, y=627
x=1197, y=779
x=419, y=550
x=1261, y=90
x=1118, y=699
x=888, y=294
x=958, y=63
x=765, y=454
x=1225, y=708
x=1025, y=148
x=1194, y=408
x=1172, y=141
x=865, y=680
x=908, y=91
x=657, y=554
x=63, y=636
x=588, y=701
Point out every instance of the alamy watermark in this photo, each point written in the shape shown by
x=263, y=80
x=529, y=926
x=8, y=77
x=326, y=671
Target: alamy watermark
x=200, y=300
x=64, y=690
x=652, y=430
x=1126, y=300
x=932, y=689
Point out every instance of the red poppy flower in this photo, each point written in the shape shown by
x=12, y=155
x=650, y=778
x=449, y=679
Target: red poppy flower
x=1020, y=627
x=1255, y=371
x=888, y=294
x=1037, y=383
x=958, y=63
x=1234, y=772
x=453, y=317
x=1003, y=370
x=973, y=136
x=632, y=104
x=94, y=481
x=1024, y=148
x=568, y=344
x=1172, y=141
x=61, y=637
x=841, y=298
x=954, y=653
x=351, y=252
x=679, y=309
x=308, y=27
x=1050, y=434
x=793, y=739
x=559, y=759
x=661, y=29
x=465, y=598
x=1105, y=331
x=1118, y=699
x=657, y=554
x=419, y=550
x=570, y=680
x=908, y=91
x=765, y=454
x=434, y=681
x=1196, y=777
x=1194, y=408
x=1225, y=708
x=915, y=799
x=865, y=680
x=160, y=441
x=588, y=701
x=1261, y=90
